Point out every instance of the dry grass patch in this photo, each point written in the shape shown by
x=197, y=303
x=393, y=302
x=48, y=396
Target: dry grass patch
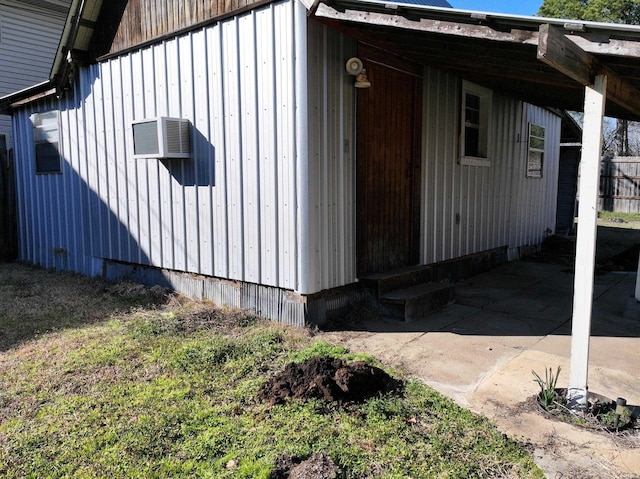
x=101, y=380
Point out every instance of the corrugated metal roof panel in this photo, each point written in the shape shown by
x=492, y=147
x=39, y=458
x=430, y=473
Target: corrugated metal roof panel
x=425, y=3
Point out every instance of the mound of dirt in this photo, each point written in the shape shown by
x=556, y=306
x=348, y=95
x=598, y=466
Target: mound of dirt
x=320, y=466
x=328, y=379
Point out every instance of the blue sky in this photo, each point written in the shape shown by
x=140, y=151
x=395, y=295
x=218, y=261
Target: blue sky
x=513, y=7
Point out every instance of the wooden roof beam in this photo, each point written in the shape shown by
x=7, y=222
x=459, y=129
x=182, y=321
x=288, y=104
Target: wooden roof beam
x=559, y=52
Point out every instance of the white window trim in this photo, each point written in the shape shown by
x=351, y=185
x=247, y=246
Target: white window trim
x=486, y=106
x=530, y=149
x=43, y=135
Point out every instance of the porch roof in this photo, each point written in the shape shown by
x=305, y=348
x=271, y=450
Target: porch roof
x=498, y=51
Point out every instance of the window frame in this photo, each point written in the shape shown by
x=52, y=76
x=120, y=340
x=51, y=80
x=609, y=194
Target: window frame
x=533, y=170
x=485, y=100
x=46, y=135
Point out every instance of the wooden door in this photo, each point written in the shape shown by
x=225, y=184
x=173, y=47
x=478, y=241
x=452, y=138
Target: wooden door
x=388, y=163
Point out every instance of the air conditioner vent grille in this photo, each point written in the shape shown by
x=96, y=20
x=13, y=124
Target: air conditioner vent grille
x=161, y=138
x=177, y=136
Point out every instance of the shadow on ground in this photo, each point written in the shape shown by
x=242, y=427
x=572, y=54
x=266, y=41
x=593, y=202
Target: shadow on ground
x=36, y=301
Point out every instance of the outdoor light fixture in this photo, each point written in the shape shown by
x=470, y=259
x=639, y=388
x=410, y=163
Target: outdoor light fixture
x=361, y=80
x=355, y=67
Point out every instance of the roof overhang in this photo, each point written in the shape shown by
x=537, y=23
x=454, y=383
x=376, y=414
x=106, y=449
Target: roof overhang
x=510, y=54
x=72, y=50
x=76, y=38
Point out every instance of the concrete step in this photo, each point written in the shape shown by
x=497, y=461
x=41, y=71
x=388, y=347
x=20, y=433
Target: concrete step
x=382, y=283
x=416, y=302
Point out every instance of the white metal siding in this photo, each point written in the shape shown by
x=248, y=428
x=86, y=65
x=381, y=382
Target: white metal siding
x=534, y=205
x=234, y=211
x=469, y=209
x=465, y=209
x=331, y=159
x=230, y=211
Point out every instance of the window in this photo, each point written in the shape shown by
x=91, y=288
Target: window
x=46, y=139
x=475, y=122
x=535, y=160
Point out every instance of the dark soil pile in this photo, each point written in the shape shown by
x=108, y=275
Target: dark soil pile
x=320, y=466
x=328, y=379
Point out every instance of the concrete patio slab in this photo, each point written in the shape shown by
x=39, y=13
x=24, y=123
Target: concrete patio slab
x=512, y=320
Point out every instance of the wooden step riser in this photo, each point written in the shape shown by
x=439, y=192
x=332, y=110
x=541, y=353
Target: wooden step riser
x=416, y=307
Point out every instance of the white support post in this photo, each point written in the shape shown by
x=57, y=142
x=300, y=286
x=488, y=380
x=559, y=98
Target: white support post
x=595, y=97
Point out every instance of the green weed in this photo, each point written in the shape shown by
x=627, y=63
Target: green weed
x=547, y=386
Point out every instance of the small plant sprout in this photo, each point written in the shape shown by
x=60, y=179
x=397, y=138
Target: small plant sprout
x=547, y=385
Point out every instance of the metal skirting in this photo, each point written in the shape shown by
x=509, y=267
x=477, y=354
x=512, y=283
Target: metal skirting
x=276, y=304
x=281, y=305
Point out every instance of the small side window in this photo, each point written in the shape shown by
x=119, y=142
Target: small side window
x=475, y=124
x=535, y=159
x=46, y=139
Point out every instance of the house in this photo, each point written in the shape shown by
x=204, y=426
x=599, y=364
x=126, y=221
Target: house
x=29, y=35
x=30, y=32
x=325, y=145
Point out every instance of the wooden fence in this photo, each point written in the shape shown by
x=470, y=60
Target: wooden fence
x=8, y=222
x=620, y=185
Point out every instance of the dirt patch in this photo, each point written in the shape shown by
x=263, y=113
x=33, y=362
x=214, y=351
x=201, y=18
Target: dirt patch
x=328, y=379
x=599, y=415
x=320, y=466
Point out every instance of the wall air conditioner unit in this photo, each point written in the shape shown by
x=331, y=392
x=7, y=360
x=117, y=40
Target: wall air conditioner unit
x=161, y=137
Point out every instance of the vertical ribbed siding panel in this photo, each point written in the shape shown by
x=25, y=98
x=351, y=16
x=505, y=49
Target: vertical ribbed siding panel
x=218, y=135
x=250, y=159
x=331, y=159
x=133, y=109
x=106, y=140
x=316, y=73
x=174, y=96
x=230, y=210
x=123, y=89
x=79, y=245
x=268, y=153
x=469, y=209
x=233, y=121
x=204, y=167
x=165, y=179
x=187, y=57
x=444, y=184
x=286, y=145
x=153, y=247
x=203, y=151
x=92, y=218
x=541, y=193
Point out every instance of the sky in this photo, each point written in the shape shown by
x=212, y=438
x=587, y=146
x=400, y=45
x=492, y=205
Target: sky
x=512, y=7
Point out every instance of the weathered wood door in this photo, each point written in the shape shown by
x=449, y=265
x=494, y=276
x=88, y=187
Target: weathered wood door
x=388, y=163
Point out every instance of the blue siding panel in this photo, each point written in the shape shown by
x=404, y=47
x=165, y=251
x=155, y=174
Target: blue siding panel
x=229, y=211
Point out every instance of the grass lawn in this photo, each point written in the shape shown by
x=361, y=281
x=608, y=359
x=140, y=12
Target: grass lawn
x=100, y=380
